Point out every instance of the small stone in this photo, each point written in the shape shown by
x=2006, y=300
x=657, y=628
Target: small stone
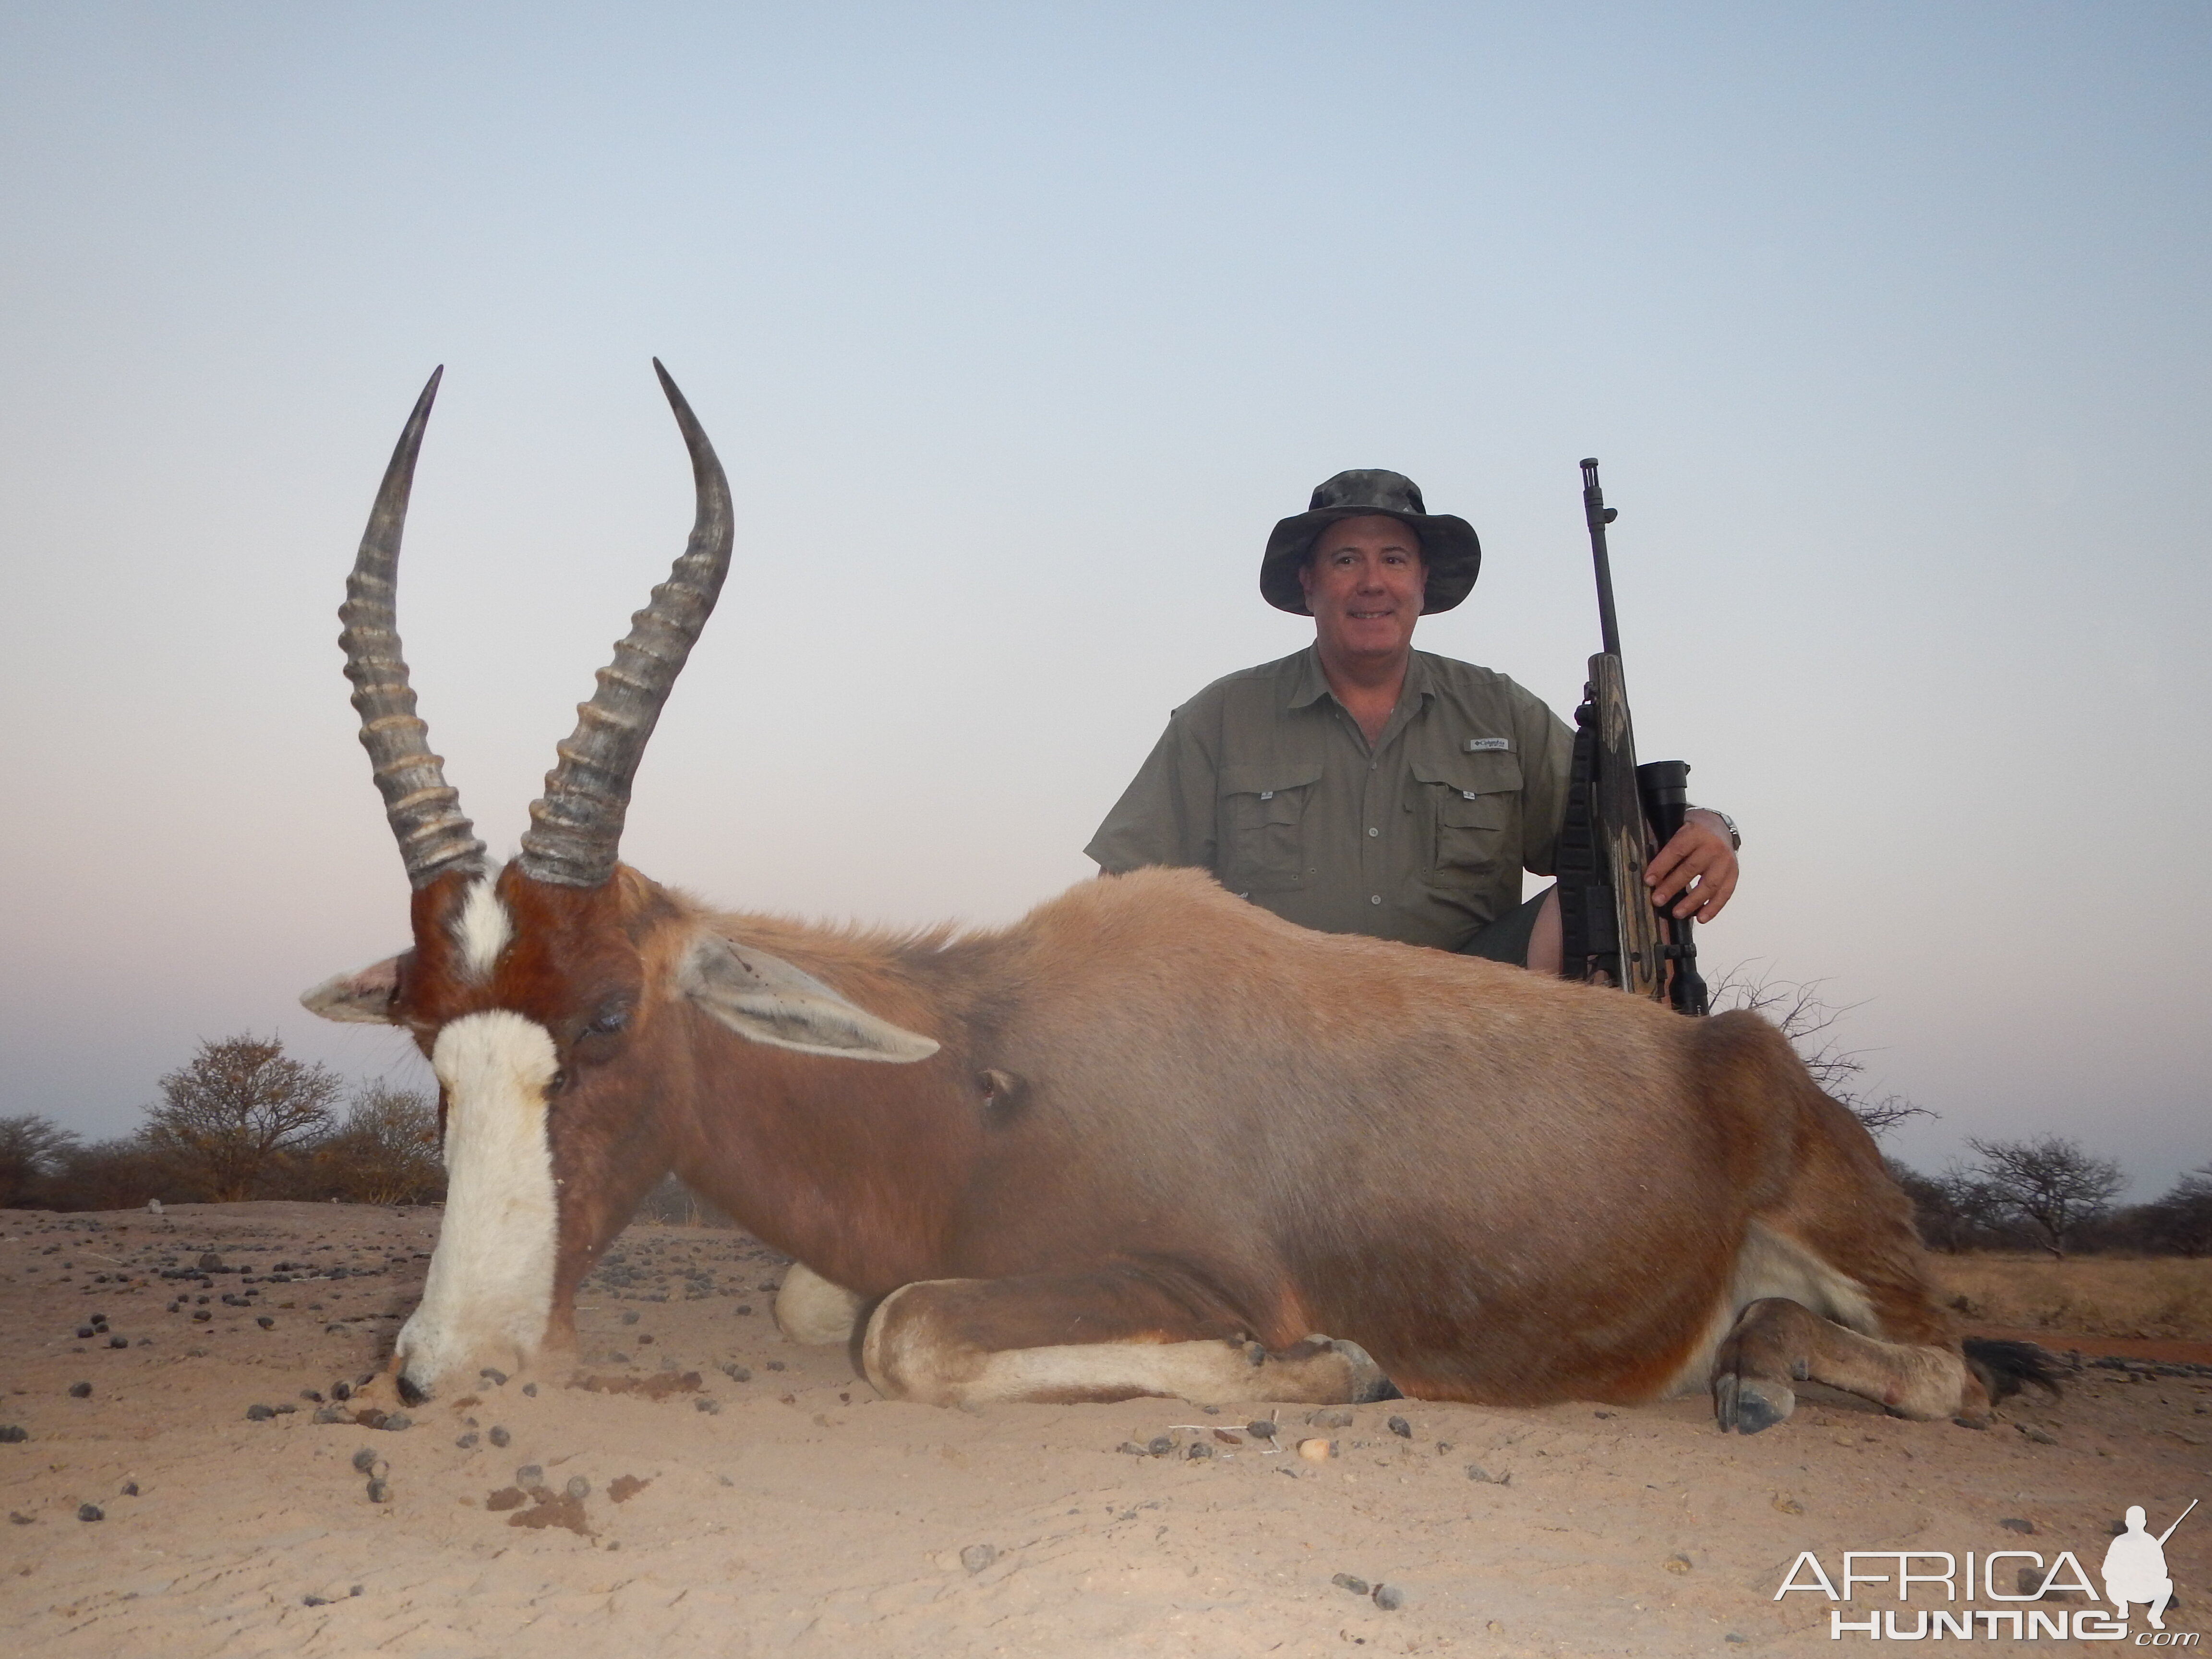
x=355, y=1590
x=1357, y=1586
x=1737, y=1637
x=1389, y=1597
x=468, y=1441
x=363, y=1460
x=631, y=1317
x=1679, y=1564
x=331, y=1415
x=1260, y=1428
x=90, y=1512
x=977, y=1557
x=530, y=1388
x=1331, y=1419
x=341, y=1390
x=379, y=1492
x=529, y=1475
x=1229, y=1436
x=1400, y=1427
x=616, y=1356
x=500, y=1437
x=579, y=1488
x=211, y=1263
x=314, y=1396
x=313, y=1601
x=396, y=1422
x=494, y=1375
x=1132, y=1447
x=80, y=1390
x=1159, y=1446
x=201, y=1316
x=1199, y=1449
x=13, y=1434
x=2026, y=1528
x=775, y=1364
x=737, y=1373
x=1476, y=1472
x=258, y=1413
x=1788, y=1505
x=711, y=1407
x=83, y=1333
x=130, y=1489
x=16, y=1518
x=266, y=1323
x=1316, y=1450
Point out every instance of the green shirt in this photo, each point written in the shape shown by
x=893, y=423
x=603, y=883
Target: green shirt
x=1265, y=779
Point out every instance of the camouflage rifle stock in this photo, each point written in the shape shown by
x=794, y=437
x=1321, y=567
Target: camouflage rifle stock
x=1619, y=814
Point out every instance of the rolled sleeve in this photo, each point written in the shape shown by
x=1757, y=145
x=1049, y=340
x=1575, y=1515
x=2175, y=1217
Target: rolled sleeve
x=1166, y=814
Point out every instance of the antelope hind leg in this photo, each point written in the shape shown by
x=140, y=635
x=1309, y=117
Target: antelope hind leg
x=1059, y=1338
x=1777, y=1342
x=812, y=1311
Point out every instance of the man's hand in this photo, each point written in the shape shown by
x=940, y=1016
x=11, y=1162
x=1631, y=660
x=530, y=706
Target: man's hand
x=1695, y=872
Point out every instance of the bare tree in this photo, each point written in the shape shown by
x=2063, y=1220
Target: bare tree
x=236, y=1112
x=2050, y=1184
x=2181, y=1219
x=386, y=1150
x=1807, y=1019
x=32, y=1150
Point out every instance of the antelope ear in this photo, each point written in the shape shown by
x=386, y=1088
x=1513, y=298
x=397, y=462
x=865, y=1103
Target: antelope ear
x=767, y=999
x=363, y=999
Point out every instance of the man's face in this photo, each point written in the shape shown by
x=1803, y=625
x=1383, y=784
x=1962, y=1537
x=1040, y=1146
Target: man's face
x=1364, y=584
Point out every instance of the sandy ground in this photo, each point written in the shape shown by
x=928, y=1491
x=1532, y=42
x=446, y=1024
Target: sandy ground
x=767, y=1503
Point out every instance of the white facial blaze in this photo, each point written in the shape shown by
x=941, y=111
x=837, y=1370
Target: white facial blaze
x=482, y=930
x=490, y=1286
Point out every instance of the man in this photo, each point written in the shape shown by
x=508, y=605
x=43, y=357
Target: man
x=1363, y=786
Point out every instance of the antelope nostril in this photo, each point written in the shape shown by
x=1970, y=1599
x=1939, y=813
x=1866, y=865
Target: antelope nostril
x=408, y=1394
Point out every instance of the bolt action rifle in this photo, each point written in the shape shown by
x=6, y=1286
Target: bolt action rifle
x=1619, y=814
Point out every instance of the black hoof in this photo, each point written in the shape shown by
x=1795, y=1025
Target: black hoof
x=1760, y=1406
x=408, y=1394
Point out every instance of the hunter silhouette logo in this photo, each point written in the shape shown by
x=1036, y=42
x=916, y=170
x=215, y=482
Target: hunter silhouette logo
x=2134, y=1571
x=2135, y=1567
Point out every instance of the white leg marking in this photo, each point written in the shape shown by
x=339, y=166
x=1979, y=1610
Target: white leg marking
x=482, y=930
x=809, y=1309
x=906, y=1360
x=1770, y=1265
x=490, y=1291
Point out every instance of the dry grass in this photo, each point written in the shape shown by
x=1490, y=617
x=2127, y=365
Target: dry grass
x=2093, y=1296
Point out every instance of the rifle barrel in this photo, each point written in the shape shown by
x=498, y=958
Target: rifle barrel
x=1597, y=514
x=2178, y=1520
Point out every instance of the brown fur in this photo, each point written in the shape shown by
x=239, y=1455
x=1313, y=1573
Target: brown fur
x=1505, y=1188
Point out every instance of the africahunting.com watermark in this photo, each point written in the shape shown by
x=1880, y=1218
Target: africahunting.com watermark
x=1947, y=1586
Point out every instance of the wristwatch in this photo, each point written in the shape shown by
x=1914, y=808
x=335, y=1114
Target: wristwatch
x=1736, y=835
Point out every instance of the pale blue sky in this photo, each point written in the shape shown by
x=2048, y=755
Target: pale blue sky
x=1018, y=326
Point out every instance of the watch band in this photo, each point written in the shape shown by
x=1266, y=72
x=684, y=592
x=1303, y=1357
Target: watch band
x=1736, y=835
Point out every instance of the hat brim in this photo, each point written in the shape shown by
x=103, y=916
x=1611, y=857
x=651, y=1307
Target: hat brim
x=1451, y=554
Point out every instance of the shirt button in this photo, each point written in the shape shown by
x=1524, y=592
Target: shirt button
x=1374, y=832
x=1375, y=899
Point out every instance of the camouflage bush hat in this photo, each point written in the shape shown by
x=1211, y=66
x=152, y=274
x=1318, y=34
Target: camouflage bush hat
x=1450, y=551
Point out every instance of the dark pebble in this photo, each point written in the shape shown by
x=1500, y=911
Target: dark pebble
x=118, y=1341
x=737, y=1373
x=396, y=1422
x=2026, y=1528
x=313, y=1601
x=744, y=1309
x=1199, y=1449
x=631, y=1317
x=529, y=1475
x=363, y=1460
x=494, y=1375
x=266, y=1323
x=1389, y=1597
x=90, y=1512
x=130, y=1489
x=977, y=1557
x=712, y=1408
x=468, y=1441
x=379, y=1492
x=531, y=1388
x=259, y=1414
x=211, y=1263
x=83, y=1333
x=201, y=1316
x=1347, y=1581
x=1261, y=1427
x=1400, y=1427
x=500, y=1437
x=1331, y=1419
x=579, y=1488
x=13, y=1434
x=1159, y=1446
x=332, y=1414
x=1132, y=1447
x=16, y=1518
x=616, y=1356
x=775, y=1364
x=80, y=1390
x=313, y=1394
x=340, y=1391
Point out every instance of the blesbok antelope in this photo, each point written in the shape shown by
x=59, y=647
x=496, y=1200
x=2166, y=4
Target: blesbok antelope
x=1148, y=1140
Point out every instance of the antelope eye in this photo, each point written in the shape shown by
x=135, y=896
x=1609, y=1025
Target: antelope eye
x=610, y=1021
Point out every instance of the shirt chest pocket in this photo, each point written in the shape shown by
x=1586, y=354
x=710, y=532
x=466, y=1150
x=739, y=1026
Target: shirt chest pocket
x=1263, y=828
x=1473, y=803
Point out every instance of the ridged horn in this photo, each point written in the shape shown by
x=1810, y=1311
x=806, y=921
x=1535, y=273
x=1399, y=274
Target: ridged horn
x=576, y=825
x=425, y=812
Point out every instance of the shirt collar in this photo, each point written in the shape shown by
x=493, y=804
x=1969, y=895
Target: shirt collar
x=1311, y=684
